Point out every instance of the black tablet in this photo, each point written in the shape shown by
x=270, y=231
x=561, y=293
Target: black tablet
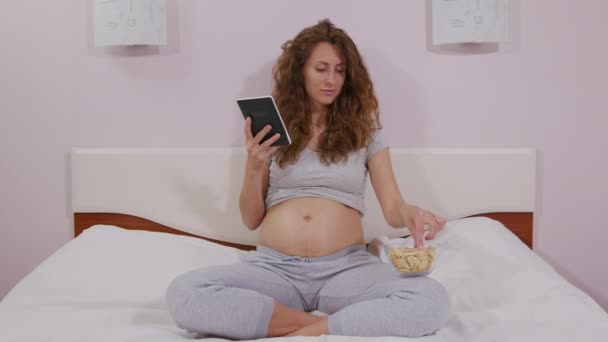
x=263, y=111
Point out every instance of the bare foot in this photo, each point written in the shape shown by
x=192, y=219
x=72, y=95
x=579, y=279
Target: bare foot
x=286, y=320
x=316, y=329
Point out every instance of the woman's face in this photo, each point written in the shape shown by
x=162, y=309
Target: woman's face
x=324, y=73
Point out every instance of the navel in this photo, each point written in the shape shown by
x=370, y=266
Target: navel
x=307, y=217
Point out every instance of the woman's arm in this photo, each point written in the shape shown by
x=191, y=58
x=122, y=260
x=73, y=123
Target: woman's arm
x=255, y=182
x=397, y=212
x=251, y=201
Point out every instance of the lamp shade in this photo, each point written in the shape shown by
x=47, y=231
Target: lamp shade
x=129, y=22
x=469, y=21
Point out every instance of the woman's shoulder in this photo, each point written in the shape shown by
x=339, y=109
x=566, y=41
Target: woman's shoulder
x=376, y=143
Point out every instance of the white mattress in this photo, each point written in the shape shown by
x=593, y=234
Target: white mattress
x=109, y=284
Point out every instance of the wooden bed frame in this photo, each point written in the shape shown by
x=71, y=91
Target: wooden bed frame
x=521, y=224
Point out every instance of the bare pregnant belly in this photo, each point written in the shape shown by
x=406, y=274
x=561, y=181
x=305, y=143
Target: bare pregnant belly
x=311, y=227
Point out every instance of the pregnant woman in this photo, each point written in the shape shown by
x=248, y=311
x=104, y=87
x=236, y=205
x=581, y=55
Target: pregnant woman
x=307, y=200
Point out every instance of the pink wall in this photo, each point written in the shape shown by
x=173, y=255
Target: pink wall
x=544, y=89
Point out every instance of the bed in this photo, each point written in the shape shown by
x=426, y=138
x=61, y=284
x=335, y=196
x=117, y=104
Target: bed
x=144, y=216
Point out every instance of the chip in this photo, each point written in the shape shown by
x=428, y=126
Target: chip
x=412, y=260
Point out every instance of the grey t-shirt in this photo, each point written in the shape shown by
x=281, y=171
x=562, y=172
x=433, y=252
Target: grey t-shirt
x=343, y=182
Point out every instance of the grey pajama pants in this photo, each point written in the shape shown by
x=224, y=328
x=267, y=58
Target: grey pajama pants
x=361, y=295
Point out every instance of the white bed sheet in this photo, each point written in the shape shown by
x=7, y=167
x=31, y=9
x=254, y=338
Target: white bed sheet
x=109, y=283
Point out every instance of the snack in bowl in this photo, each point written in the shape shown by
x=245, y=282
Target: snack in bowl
x=412, y=260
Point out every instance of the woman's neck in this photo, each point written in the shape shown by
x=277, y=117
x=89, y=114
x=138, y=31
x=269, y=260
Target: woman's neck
x=318, y=119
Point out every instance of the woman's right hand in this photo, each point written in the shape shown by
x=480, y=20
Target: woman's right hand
x=258, y=154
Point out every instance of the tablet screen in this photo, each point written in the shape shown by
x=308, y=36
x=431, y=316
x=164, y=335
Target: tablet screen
x=263, y=111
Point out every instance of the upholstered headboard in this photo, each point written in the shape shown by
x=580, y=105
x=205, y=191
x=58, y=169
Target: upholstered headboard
x=196, y=190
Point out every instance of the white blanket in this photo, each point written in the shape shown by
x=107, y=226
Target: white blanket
x=109, y=283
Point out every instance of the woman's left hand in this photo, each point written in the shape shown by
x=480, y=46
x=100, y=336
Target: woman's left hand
x=416, y=218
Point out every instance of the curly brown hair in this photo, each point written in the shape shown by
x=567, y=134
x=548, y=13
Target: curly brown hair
x=351, y=119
